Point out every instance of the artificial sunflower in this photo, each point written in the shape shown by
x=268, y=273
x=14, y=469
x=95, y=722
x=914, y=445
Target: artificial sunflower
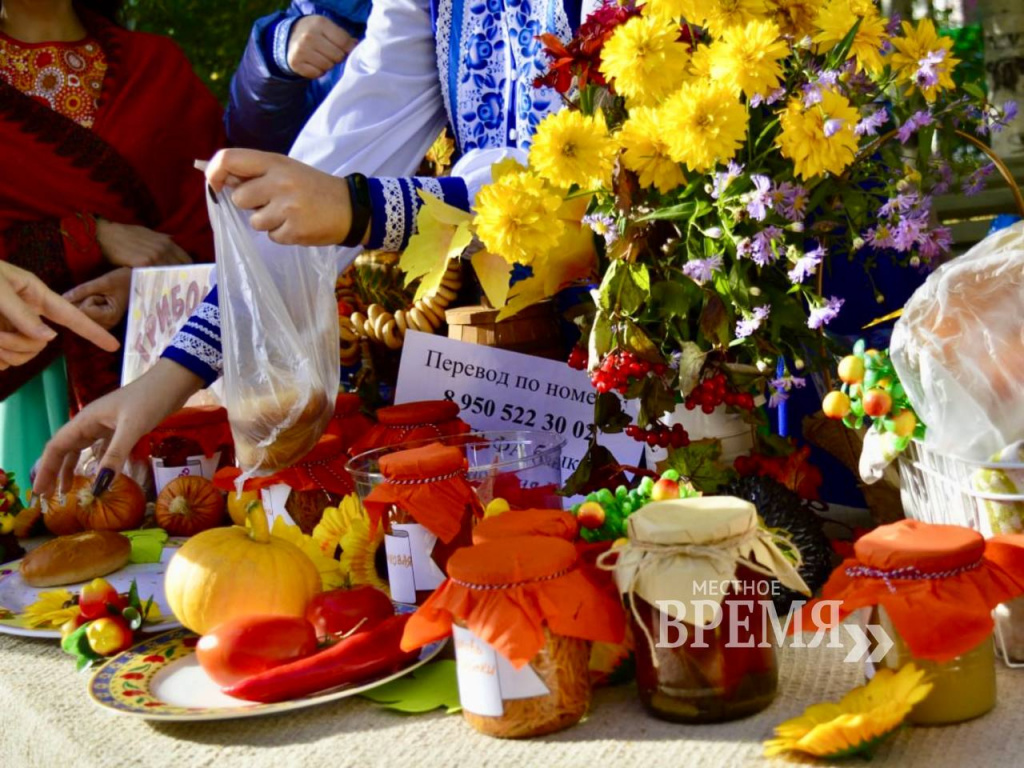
x=359, y=548
x=709, y=122
x=835, y=21
x=819, y=138
x=858, y=723
x=572, y=148
x=515, y=217
x=51, y=611
x=750, y=57
x=331, y=576
x=645, y=59
x=328, y=532
x=645, y=151
x=923, y=59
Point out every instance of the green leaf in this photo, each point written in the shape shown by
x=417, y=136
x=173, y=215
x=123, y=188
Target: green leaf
x=700, y=463
x=974, y=90
x=656, y=400
x=691, y=361
x=608, y=414
x=839, y=53
x=598, y=465
x=428, y=688
x=635, y=288
x=133, y=617
x=600, y=339
x=714, y=320
x=605, y=298
x=673, y=212
x=673, y=299
x=133, y=596
x=638, y=342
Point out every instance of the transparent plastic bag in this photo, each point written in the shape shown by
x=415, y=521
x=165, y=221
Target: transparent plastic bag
x=959, y=349
x=279, y=331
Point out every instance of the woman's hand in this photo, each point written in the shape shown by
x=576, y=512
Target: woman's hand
x=294, y=203
x=316, y=44
x=105, y=299
x=117, y=421
x=24, y=301
x=126, y=245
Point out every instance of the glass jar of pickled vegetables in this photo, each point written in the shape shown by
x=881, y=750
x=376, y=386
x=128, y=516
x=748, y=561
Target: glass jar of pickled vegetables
x=405, y=423
x=931, y=589
x=523, y=617
x=697, y=577
x=428, y=510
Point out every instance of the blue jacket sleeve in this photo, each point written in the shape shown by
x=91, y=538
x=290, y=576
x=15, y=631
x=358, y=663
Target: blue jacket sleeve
x=197, y=345
x=395, y=203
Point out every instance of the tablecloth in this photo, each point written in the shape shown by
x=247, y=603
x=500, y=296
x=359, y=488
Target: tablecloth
x=47, y=719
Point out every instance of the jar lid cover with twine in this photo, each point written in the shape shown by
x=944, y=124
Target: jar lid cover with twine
x=348, y=422
x=678, y=548
x=527, y=522
x=420, y=420
x=430, y=484
x=506, y=591
x=207, y=425
x=937, y=583
x=322, y=469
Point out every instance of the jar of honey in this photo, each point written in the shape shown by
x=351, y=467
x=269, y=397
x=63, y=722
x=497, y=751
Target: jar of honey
x=428, y=510
x=931, y=589
x=697, y=578
x=522, y=616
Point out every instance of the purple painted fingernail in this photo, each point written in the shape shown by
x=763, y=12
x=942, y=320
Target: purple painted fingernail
x=103, y=479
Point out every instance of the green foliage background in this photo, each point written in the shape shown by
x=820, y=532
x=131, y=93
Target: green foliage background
x=213, y=33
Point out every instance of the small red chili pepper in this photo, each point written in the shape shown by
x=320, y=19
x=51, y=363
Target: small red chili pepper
x=359, y=657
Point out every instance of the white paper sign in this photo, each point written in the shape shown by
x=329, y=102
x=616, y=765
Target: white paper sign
x=487, y=679
x=200, y=466
x=398, y=550
x=274, y=498
x=425, y=571
x=501, y=390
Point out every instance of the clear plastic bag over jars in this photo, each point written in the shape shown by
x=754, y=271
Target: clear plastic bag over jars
x=523, y=617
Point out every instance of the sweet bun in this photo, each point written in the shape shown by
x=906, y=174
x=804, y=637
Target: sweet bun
x=76, y=558
x=268, y=435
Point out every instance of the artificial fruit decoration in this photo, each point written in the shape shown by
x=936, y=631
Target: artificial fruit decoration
x=109, y=635
x=104, y=622
x=99, y=599
x=225, y=573
x=120, y=507
x=189, y=505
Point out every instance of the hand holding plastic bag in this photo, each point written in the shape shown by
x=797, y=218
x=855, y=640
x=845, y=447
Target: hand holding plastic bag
x=279, y=331
x=959, y=349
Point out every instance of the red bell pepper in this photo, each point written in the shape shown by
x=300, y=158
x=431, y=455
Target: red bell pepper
x=360, y=657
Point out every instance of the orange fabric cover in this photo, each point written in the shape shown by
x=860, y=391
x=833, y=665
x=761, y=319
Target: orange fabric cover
x=939, y=618
x=207, y=425
x=407, y=422
x=430, y=484
x=507, y=590
x=527, y=522
x=323, y=468
x=348, y=422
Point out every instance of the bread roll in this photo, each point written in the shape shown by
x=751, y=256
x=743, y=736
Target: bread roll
x=76, y=558
x=269, y=436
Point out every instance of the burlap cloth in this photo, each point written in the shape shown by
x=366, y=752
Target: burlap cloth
x=47, y=719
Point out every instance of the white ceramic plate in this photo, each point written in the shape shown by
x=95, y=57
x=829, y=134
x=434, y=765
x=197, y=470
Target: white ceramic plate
x=16, y=595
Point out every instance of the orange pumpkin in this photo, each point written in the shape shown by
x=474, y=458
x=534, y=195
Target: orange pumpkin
x=189, y=505
x=119, y=508
x=60, y=511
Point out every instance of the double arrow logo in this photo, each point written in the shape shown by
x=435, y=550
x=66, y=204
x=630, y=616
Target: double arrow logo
x=862, y=650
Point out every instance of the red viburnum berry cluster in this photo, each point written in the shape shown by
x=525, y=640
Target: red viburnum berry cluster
x=713, y=391
x=578, y=359
x=659, y=434
x=617, y=369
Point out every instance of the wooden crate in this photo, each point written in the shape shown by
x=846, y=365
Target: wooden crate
x=532, y=331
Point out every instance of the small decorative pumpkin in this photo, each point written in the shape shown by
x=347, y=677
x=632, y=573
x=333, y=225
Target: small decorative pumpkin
x=225, y=573
x=189, y=505
x=119, y=508
x=60, y=511
x=238, y=505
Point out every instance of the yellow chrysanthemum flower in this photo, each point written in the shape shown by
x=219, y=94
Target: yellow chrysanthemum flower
x=359, y=549
x=835, y=21
x=645, y=60
x=515, y=217
x=705, y=124
x=749, y=57
x=856, y=724
x=923, y=59
x=795, y=17
x=674, y=10
x=721, y=15
x=331, y=576
x=51, y=610
x=572, y=148
x=646, y=152
x=819, y=138
x=701, y=61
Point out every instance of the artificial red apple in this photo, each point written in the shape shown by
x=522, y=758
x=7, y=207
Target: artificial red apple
x=590, y=515
x=665, y=489
x=877, y=403
x=99, y=599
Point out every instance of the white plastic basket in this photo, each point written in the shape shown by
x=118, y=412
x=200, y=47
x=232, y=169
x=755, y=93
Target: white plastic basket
x=939, y=488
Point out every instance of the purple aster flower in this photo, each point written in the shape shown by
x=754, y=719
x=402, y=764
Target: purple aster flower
x=745, y=247
x=881, y=236
x=757, y=99
x=1009, y=114
x=724, y=178
x=976, y=181
x=806, y=265
x=833, y=126
x=893, y=27
x=828, y=77
x=760, y=201
x=909, y=232
x=902, y=203
x=914, y=123
x=782, y=387
x=699, y=270
x=812, y=94
x=761, y=251
x=926, y=75
x=602, y=225
x=748, y=325
x=945, y=182
x=872, y=124
x=935, y=244
x=825, y=314
x=794, y=199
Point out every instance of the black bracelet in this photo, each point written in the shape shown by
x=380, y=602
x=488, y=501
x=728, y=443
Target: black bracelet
x=359, y=196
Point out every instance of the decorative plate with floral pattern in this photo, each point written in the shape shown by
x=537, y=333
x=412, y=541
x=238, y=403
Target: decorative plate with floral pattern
x=160, y=679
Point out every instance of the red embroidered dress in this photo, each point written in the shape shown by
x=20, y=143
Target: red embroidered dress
x=67, y=77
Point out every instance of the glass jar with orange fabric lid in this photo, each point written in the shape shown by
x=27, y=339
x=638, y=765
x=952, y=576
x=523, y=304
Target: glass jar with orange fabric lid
x=407, y=422
x=300, y=493
x=348, y=421
x=932, y=589
x=192, y=441
x=697, y=575
x=523, y=617
x=527, y=522
x=428, y=510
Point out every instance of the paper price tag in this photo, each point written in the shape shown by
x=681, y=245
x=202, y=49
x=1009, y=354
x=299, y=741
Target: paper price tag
x=196, y=465
x=274, y=499
x=487, y=679
x=501, y=390
x=425, y=571
x=398, y=550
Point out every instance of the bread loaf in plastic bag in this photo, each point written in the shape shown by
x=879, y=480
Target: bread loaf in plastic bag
x=959, y=349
